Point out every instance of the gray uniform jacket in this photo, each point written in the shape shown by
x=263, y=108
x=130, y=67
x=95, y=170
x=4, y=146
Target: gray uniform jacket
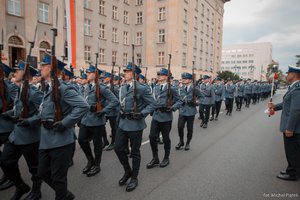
x=290, y=116
x=160, y=97
x=28, y=135
x=6, y=126
x=74, y=107
x=219, y=92
x=248, y=88
x=240, y=90
x=208, y=97
x=93, y=118
x=116, y=110
x=187, y=97
x=229, y=91
x=145, y=103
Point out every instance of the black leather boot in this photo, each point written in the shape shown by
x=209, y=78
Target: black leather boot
x=35, y=193
x=21, y=189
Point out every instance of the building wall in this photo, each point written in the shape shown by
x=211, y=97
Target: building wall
x=247, y=60
x=207, y=12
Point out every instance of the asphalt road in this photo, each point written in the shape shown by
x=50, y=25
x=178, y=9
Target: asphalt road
x=236, y=158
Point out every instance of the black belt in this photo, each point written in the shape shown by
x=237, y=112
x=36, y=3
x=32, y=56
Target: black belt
x=191, y=104
x=129, y=116
x=163, y=109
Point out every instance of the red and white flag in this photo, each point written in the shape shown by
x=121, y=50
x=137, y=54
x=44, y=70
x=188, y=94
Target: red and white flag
x=71, y=32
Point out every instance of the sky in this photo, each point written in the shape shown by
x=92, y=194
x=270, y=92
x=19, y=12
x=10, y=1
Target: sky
x=275, y=21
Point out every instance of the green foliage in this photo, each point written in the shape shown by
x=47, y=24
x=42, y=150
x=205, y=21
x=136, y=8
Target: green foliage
x=228, y=74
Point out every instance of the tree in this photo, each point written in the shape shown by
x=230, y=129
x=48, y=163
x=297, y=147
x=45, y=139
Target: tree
x=228, y=74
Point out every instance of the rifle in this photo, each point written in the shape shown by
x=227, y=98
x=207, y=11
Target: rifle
x=2, y=83
x=26, y=78
x=194, y=101
x=169, y=100
x=119, y=76
x=112, y=77
x=146, y=74
x=135, y=102
x=98, y=94
x=54, y=79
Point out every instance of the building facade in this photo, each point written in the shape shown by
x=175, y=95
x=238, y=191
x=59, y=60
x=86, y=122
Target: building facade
x=189, y=30
x=247, y=60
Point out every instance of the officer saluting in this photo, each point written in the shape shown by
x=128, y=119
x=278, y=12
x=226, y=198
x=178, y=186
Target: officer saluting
x=163, y=116
x=136, y=103
x=57, y=136
x=290, y=124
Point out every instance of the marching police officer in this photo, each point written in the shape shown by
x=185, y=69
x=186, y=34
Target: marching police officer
x=290, y=124
x=57, y=138
x=92, y=125
x=24, y=139
x=219, y=90
x=239, y=96
x=206, y=101
x=187, y=111
x=6, y=123
x=229, y=95
x=248, y=92
x=162, y=117
x=112, y=115
x=136, y=103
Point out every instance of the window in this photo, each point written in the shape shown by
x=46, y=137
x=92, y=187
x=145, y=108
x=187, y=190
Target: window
x=139, y=38
x=43, y=12
x=101, y=55
x=101, y=31
x=208, y=14
x=125, y=34
x=196, y=22
x=139, y=18
x=238, y=62
x=185, y=37
x=245, y=61
x=162, y=13
x=125, y=58
x=251, y=61
x=201, y=45
x=126, y=21
x=114, y=34
x=115, y=12
x=101, y=7
x=114, y=56
x=251, y=55
x=197, y=4
x=87, y=27
x=232, y=62
x=185, y=15
x=87, y=4
x=213, y=18
x=202, y=26
x=161, y=35
x=202, y=9
x=195, y=41
x=87, y=53
x=14, y=7
x=207, y=30
x=139, y=2
x=161, y=58
x=184, y=59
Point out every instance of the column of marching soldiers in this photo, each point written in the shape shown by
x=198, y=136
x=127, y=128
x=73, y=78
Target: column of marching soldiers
x=40, y=109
